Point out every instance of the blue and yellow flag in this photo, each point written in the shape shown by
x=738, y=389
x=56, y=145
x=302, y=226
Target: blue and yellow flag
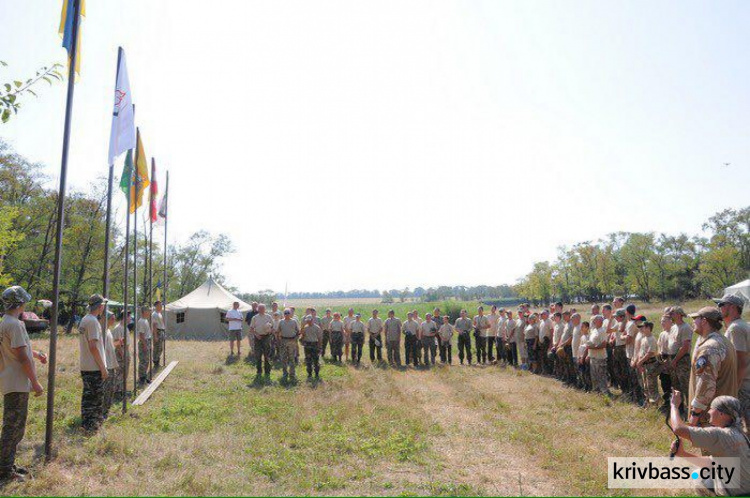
x=66, y=30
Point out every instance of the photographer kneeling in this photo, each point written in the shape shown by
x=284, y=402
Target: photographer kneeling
x=724, y=438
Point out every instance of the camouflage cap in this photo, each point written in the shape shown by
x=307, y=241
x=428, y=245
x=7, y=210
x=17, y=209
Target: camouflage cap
x=96, y=300
x=678, y=310
x=709, y=313
x=15, y=296
x=730, y=299
x=620, y=312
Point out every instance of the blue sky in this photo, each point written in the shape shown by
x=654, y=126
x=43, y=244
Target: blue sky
x=347, y=144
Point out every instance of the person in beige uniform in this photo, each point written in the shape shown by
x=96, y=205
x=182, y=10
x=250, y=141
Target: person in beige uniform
x=427, y=333
x=665, y=379
x=738, y=333
x=713, y=369
x=288, y=332
x=18, y=377
x=411, y=330
x=646, y=359
x=445, y=333
x=375, y=331
x=348, y=320
x=93, y=365
x=122, y=354
x=481, y=326
x=680, y=340
x=111, y=360
x=511, y=336
x=393, y=339
x=493, y=318
x=357, y=333
x=312, y=337
x=325, y=324
x=596, y=349
x=337, y=337
x=159, y=331
x=261, y=326
x=463, y=328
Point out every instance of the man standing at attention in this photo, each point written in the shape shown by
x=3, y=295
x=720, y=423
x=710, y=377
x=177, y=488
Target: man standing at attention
x=158, y=330
x=463, y=328
x=738, y=333
x=393, y=339
x=143, y=329
x=234, y=320
x=312, y=336
x=596, y=347
x=325, y=324
x=357, y=332
x=482, y=325
x=411, y=330
x=93, y=364
x=110, y=358
x=375, y=328
x=348, y=320
x=248, y=319
x=261, y=326
x=680, y=339
x=428, y=332
x=17, y=380
x=288, y=331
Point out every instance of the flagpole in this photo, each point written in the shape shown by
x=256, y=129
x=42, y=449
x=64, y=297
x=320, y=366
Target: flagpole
x=59, y=234
x=125, y=307
x=164, y=285
x=146, y=299
x=136, y=315
x=151, y=253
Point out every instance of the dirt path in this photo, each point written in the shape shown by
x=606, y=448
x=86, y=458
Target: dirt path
x=475, y=451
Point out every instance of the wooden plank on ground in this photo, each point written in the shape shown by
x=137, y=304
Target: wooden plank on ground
x=154, y=384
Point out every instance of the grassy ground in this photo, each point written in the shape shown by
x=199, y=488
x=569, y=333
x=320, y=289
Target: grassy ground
x=211, y=428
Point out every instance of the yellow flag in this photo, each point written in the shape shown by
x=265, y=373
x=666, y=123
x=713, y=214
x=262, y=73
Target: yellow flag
x=66, y=30
x=141, y=175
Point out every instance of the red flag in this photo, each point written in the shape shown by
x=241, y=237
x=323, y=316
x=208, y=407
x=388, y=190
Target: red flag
x=154, y=191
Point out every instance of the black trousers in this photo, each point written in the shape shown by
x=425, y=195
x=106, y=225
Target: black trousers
x=446, y=355
x=410, y=347
x=490, y=348
x=358, y=341
x=326, y=340
x=375, y=348
x=92, y=400
x=464, y=347
x=512, y=354
x=500, y=346
x=430, y=349
x=666, y=385
x=15, y=412
x=481, y=343
x=263, y=354
x=312, y=355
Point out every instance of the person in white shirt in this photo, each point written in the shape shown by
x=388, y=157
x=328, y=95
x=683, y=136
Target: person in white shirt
x=143, y=329
x=234, y=324
x=159, y=331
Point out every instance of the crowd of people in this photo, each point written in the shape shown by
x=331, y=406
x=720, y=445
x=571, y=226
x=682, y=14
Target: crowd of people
x=615, y=348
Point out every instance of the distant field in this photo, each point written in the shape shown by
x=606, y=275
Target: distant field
x=322, y=303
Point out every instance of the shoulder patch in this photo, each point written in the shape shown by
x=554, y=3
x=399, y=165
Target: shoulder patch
x=700, y=364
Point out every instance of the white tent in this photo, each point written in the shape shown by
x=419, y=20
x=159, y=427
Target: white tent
x=741, y=289
x=200, y=314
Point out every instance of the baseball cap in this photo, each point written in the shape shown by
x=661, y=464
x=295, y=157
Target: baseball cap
x=620, y=312
x=639, y=318
x=730, y=299
x=678, y=310
x=96, y=300
x=708, y=312
x=15, y=296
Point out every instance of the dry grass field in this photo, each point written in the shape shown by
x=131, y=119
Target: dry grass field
x=213, y=429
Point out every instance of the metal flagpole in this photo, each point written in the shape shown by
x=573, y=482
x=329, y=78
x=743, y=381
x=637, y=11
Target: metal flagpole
x=135, y=265
x=164, y=284
x=147, y=295
x=59, y=235
x=125, y=306
x=151, y=255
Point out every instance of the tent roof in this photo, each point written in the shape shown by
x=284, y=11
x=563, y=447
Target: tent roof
x=210, y=295
x=740, y=289
x=742, y=285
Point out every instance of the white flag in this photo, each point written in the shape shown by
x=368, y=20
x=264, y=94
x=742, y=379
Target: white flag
x=122, y=135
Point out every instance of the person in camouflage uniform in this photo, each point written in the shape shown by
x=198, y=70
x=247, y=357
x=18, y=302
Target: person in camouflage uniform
x=159, y=333
x=738, y=333
x=312, y=337
x=111, y=360
x=713, y=369
x=93, y=365
x=122, y=355
x=17, y=380
x=325, y=324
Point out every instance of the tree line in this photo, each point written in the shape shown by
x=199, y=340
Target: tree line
x=28, y=216
x=647, y=265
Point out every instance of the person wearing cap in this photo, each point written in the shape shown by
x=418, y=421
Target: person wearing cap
x=411, y=330
x=575, y=346
x=445, y=334
x=93, y=363
x=122, y=355
x=312, y=337
x=721, y=438
x=111, y=359
x=631, y=334
x=680, y=340
x=234, y=325
x=665, y=379
x=159, y=332
x=325, y=324
x=18, y=379
x=645, y=360
x=511, y=337
x=493, y=318
x=618, y=342
x=531, y=337
x=463, y=328
x=357, y=333
x=287, y=334
x=521, y=352
x=375, y=330
x=584, y=365
x=713, y=370
x=143, y=329
x=427, y=336
x=566, y=345
x=738, y=333
x=596, y=349
x=261, y=326
x=393, y=339
x=348, y=320
x=481, y=326
x=337, y=337
x=550, y=331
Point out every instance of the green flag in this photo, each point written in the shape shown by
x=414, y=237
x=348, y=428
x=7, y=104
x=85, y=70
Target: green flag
x=127, y=174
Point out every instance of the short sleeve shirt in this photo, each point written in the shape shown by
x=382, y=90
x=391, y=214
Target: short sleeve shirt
x=647, y=345
x=445, y=332
x=109, y=351
x=725, y=442
x=392, y=329
x=348, y=320
x=429, y=329
x=288, y=328
x=336, y=326
x=90, y=330
x=663, y=342
x=482, y=322
x=263, y=324
x=357, y=327
x=158, y=320
x=631, y=329
x=233, y=313
x=143, y=327
x=374, y=325
x=325, y=323
x=531, y=332
x=313, y=333
x=576, y=342
x=463, y=325
x=581, y=350
x=738, y=334
x=567, y=332
x=597, y=337
x=411, y=327
x=118, y=333
x=494, y=318
x=13, y=335
x=677, y=335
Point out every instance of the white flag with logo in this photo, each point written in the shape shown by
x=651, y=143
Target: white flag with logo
x=122, y=135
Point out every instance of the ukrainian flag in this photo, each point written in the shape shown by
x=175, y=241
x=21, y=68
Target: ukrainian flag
x=66, y=30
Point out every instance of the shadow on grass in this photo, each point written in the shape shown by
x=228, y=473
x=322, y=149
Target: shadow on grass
x=232, y=359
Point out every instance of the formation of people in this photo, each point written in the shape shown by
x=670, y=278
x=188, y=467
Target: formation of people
x=103, y=362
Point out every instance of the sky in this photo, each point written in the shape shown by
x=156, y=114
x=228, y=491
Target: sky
x=351, y=144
